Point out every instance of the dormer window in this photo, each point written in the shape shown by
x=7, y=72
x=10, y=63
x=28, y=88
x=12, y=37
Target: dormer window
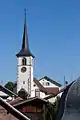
x=47, y=83
x=24, y=61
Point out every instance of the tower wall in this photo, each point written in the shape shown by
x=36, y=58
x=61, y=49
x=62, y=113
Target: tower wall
x=25, y=79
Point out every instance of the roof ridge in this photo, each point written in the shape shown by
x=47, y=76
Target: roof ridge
x=50, y=79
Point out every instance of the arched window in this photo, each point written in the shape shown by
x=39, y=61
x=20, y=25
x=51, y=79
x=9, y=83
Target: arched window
x=24, y=61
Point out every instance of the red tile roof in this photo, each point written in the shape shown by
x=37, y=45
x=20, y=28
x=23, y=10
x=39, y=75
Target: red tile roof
x=15, y=101
x=52, y=90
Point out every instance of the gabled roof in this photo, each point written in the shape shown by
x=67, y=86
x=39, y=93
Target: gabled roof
x=7, y=91
x=52, y=90
x=31, y=100
x=15, y=101
x=51, y=80
x=12, y=110
x=46, y=90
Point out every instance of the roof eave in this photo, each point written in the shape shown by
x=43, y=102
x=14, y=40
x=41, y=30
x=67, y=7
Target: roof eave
x=26, y=55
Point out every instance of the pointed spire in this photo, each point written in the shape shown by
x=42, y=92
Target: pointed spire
x=25, y=36
x=25, y=45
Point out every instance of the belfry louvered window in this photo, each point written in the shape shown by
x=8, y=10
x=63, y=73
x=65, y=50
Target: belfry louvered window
x=24, y=61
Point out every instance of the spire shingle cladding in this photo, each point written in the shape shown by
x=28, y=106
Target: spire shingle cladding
x=25, y=51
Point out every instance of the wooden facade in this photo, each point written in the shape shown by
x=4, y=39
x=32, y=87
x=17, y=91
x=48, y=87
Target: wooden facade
x=34, y=109
x=33, y=112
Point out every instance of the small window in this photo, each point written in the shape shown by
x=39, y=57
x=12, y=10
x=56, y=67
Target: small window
x=24, y=61
x=23, y=82
x=47, y=83
x=34, y=85
x=37, y=93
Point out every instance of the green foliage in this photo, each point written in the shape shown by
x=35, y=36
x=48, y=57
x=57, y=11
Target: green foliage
x=49, y=111
x=52, y=110
x=56, y=106
x=9, y=85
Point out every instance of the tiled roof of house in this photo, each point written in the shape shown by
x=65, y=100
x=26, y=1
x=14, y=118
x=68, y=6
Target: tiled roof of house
x=15, y=101
x=51, y=80
x=12, y=110
x=52, y=90
x=31, y=100
x=56, y=93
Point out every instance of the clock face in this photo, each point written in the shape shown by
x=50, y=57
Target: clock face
x=23, y=69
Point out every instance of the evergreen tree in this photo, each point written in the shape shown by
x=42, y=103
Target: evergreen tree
x=10, y=85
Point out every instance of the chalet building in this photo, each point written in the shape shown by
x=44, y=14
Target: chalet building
x=34, y=108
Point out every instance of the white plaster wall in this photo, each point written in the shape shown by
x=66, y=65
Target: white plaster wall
x=29, y=60
x=44, y=81
x=26, y=75
x=42, y=95
x=34, y=88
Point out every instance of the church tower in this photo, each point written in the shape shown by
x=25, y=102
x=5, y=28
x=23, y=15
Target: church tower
x=25, y=65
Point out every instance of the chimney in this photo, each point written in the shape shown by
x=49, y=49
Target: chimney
x=66, y=83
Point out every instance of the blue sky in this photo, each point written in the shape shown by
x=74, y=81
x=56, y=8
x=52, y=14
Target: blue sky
x=54, y=37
